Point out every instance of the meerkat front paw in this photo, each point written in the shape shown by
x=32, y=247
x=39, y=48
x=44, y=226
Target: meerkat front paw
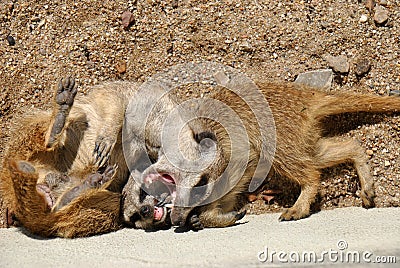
x=102, y=150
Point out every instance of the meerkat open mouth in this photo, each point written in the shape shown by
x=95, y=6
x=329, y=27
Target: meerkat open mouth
x=163, y=188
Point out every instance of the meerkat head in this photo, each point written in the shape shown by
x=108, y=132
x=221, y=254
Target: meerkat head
x=189, y=181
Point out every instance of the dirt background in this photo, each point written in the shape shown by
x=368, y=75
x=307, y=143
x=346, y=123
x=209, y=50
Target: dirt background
x=274, y=40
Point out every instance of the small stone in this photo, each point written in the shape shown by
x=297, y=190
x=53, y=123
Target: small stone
x=387, y=163
x=252, y=197
x=395, y=92
x=362, y=67
x=319, y=79
x=339, y=64
x=363, y=18
x=11, y=40
x=127, y=19
x=246, y=47
x=381, y=15
x=383, y=3
x=370, y=152
x=121, y=67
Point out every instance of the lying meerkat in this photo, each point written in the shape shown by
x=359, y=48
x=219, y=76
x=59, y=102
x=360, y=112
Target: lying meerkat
x=65, y=155
x=301, y=152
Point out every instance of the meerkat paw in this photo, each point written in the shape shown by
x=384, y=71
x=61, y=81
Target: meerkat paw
x=367, y=197
x=97, y=179
x=195, y=223
x=102, y=150
x=293, y=214
x=65, y=95
x=66, y=92
x=210, y=219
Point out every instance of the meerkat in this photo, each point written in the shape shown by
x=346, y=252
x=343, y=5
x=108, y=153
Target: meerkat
x=302, y=151
x=62, y=158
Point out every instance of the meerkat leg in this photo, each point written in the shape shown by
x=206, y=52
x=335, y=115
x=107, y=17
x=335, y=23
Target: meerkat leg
x=309, y=190
x=65, y=95
x=333, y=151
x=92, y=181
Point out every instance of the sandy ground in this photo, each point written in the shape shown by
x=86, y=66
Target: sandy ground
x=42, y=41
x=370, y=234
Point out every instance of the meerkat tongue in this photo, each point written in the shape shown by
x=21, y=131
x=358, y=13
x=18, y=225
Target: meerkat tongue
x=158, y=213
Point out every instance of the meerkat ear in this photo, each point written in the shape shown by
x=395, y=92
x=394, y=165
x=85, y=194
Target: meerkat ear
x=21, y=167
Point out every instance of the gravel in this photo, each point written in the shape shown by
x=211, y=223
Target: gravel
x=273, y=40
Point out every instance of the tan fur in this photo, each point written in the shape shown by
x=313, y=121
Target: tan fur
x=93, y=119
x=301, y=150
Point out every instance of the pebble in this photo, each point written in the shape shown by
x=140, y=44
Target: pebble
x=387, y=163
x=11, y=40
x=370, y=152
x=381, y=15
x=121, y=67
x=395, y=92
x=362, y=67
x=363, y=18
x=319, y=79
x=339, y=64
x=127, y=19
x=246, y=47
x=383, y=3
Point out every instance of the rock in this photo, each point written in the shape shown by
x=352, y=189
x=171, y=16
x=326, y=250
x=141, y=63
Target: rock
x=127, y=19
x=11, y=40
x=383, y=3
x=387, y=163
x=370, y=152
x=362, y=67
x=395, y=92
x=363, y=18
x=246, y=47
x=381, y=15
x=339, y=64
x=121, y=67
x=319, y=79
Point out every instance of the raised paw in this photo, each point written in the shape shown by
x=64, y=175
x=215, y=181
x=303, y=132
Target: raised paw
x=292, y=213
x=66, y=92
x=195, y=223
x=102, y=150
x=97, y=179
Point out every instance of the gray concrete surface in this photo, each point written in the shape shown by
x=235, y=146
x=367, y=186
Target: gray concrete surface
x=374, y=232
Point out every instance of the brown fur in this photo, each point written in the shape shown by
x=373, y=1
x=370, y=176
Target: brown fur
x=301, y=149
x=93, y=125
